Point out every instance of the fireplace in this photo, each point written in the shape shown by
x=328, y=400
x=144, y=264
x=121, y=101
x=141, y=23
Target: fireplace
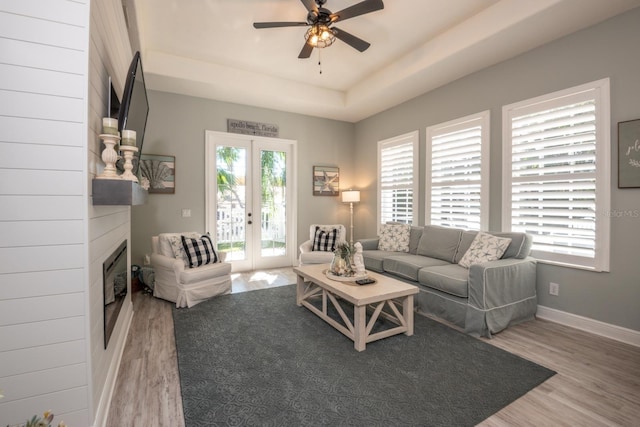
x=115, y=284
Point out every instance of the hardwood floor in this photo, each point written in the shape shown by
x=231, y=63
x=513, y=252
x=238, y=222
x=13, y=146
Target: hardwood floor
x=598, y=380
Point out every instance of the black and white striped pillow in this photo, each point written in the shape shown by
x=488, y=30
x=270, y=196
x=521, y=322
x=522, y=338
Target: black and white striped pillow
x=199, y=251
x=325, y=241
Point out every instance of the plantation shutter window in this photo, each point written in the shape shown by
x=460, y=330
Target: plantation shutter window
x=457, y=178
x=556, y=183
x=397, y=165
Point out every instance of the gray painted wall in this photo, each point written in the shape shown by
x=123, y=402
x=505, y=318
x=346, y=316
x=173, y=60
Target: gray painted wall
x=177, y=125
x=609, y=50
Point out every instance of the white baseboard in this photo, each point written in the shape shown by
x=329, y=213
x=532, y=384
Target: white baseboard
x=618, y=333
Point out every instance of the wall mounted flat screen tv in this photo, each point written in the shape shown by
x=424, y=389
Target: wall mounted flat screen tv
x=134, y=108
x=114, y=101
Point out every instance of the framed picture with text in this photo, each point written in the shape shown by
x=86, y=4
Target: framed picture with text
x=629, y=154
x=326, y=181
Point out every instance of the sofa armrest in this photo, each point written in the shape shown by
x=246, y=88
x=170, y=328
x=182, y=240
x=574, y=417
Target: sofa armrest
x=161, y=262
x=306, y=247
x=369, y=244
x=499, y=283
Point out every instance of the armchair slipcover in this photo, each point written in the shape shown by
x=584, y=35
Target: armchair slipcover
x=183, y=285
x=309, y=256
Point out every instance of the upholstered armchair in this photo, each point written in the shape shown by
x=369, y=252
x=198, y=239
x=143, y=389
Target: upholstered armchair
x=177, y=281
x=323, y=252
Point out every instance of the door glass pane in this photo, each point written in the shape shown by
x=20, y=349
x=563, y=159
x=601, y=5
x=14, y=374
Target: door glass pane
x=273, y=203
x=231, y=201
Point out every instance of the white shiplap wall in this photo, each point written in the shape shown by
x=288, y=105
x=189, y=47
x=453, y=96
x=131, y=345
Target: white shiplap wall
x=43, y=214
x=109, y=55
x=55, y=59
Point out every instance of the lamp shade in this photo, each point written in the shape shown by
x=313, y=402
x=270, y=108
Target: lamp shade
x=350, y=196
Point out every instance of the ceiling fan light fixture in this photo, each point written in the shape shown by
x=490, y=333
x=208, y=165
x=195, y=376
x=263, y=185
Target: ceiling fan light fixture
x=319, y=35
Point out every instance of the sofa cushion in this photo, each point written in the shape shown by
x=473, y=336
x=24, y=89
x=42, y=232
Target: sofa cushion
x=439, y=242
x=394, y=237
x=520, y=246
x=414, y=239
x=465, y=242
x=325, y=241
x=450, y=278
x=484, y=248
x=195, y=275
x=167, y=240
x=170, y=245
x=408, y=265
x=373, y=259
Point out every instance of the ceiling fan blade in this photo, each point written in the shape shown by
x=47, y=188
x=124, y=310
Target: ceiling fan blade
x=358, y=9
x=351, y=40
x=278, y=24
x=306, y=51
x=310, y=5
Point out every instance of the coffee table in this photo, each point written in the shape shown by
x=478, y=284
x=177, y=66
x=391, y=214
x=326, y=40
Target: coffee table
x=313, y=284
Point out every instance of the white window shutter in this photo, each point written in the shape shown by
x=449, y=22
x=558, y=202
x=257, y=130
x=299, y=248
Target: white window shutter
x=556, y=175
x=397, y=167
x=458, y=173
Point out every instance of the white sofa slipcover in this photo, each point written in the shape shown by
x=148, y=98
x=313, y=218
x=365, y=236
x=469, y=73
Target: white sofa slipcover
x=309, y=256
x=186, y=286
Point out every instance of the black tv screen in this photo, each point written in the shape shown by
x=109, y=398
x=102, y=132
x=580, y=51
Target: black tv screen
x=114, y=101
x=134, y=108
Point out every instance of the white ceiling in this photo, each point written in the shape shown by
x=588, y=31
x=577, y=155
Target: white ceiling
x=209, y=48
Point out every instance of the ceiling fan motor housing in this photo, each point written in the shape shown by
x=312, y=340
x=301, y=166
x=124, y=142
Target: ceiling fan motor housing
x=322, y=16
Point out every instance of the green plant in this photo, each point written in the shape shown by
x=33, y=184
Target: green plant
x=45, y=421
x=343, y=250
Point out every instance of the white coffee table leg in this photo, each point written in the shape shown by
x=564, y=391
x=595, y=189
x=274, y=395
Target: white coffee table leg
x=299, y=290
x=360, y=327
x=407, y=312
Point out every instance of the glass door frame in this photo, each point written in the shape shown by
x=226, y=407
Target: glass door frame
x=213, y=139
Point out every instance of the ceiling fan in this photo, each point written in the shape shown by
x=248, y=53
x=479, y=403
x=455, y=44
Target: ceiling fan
x=320, y=20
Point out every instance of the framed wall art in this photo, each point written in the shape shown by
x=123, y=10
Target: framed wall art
x=160, y=171
x=629, y=154
x=326, y=181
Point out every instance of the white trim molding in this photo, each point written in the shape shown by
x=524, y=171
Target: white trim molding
x=607, y=330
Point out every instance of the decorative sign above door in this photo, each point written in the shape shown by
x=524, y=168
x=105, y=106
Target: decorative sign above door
x=252, y=128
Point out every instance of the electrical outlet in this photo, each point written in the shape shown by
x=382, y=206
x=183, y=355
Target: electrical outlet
x=186, y=213
x=554, y=288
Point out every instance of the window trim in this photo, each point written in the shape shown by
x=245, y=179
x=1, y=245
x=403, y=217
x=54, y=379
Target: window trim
x=484, y=119
x=600, y=91
x=410, y=137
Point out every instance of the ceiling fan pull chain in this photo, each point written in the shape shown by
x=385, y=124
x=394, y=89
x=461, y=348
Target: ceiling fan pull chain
x=320, y=60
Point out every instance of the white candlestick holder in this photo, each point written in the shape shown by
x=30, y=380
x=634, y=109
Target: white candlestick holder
x=127, y=152
x=109, y=157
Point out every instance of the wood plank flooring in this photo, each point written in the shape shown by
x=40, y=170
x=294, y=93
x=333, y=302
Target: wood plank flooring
x=598, y=380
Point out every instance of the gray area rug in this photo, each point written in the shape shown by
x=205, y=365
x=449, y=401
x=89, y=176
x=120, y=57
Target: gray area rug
x=256, y=358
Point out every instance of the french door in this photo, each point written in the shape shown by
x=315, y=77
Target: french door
x=249, y=203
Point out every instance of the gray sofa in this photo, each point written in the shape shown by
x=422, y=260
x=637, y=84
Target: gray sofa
x=482, y=300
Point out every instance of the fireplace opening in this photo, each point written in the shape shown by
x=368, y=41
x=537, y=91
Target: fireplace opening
x=114, y=275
